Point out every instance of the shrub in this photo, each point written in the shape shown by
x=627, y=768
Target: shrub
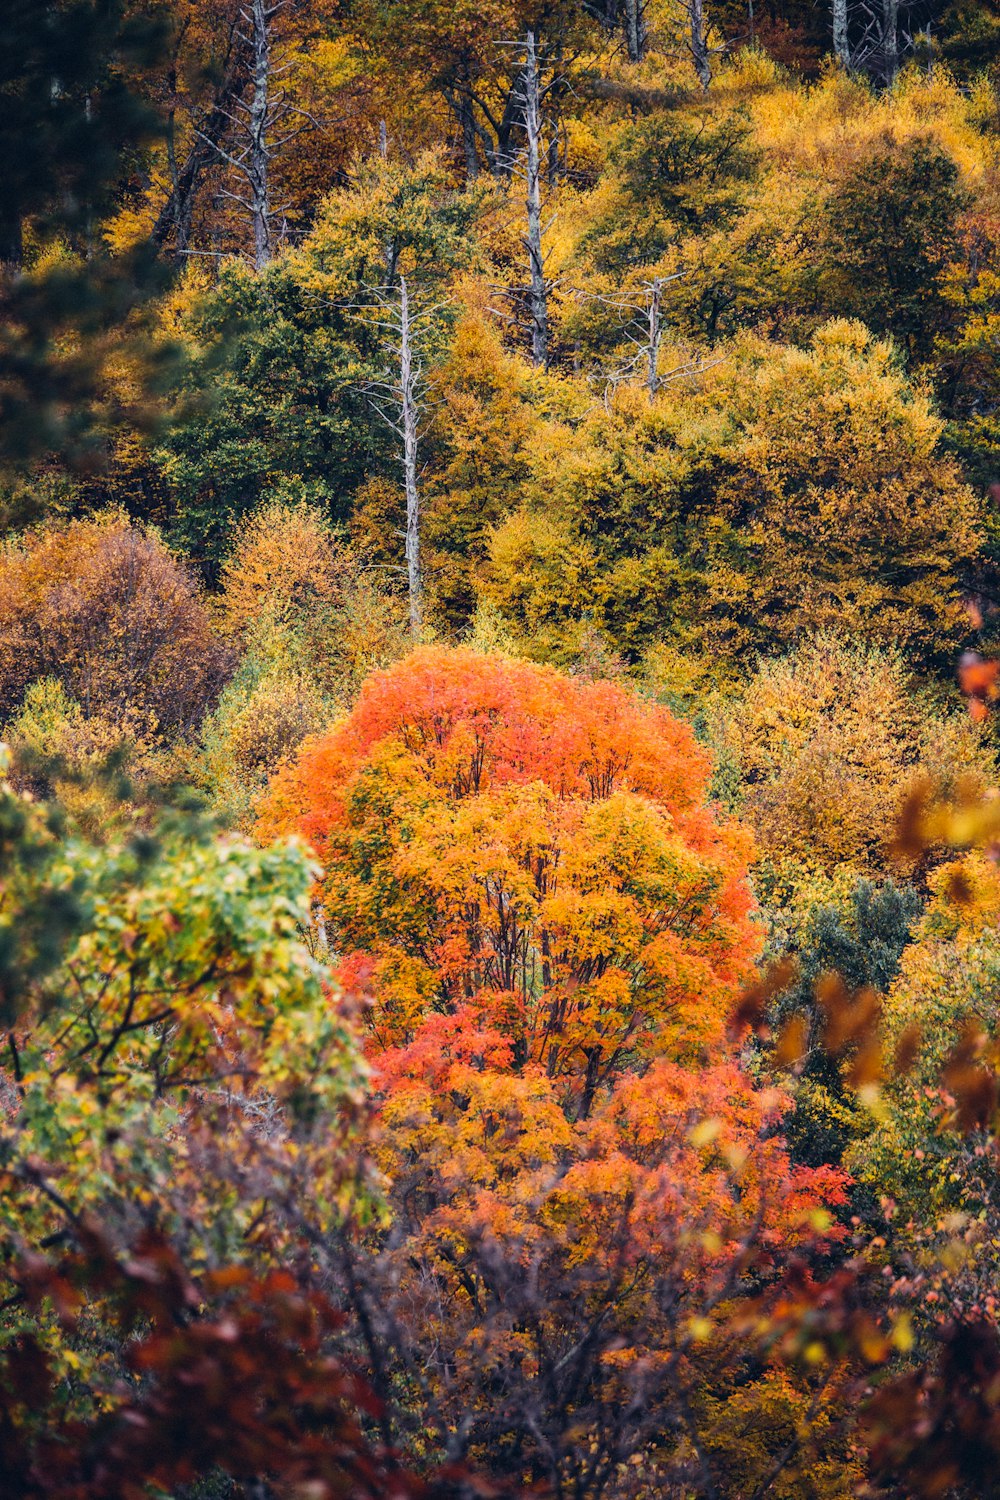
x=106, y=610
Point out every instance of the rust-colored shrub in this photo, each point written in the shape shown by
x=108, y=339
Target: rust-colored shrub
x=107, y=610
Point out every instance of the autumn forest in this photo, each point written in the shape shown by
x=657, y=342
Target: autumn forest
x=499, y=749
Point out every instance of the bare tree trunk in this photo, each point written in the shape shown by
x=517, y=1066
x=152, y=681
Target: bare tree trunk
x=410, y=416
x=468, y=124
x=259, y=154
x=180, y=237
x=655, y=335
x=176, y=214
x=537, y=296
x=699, y=44
x=841, y=44
x=11, y=241
x=635, y=30
x=396, y=399
x=890, y=41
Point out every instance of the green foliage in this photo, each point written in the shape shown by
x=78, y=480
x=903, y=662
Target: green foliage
x=913, y=1152
x=169, y=1041
x=862, y=942
x=65, y=142
x=671, y=175
x=275, y=407
x=275, y=393
x=886, y=235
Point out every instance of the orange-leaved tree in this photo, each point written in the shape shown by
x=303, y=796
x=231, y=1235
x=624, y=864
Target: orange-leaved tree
x=588, y=1195
x=530, y=849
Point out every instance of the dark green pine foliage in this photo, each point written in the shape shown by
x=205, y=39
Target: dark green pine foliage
x=863, y=946
x=73, y=129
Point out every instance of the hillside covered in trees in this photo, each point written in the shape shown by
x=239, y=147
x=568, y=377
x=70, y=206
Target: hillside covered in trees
x=499, y=793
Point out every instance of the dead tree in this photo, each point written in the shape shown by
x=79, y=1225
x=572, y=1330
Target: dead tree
x=641, y=315
x=841, y=42
x=409, y=375
x=882, y=35
x=635, y=30
x=654, y=334
x=536, y=293
x=890, y=41
x=698, y=43
x=212, y=125
x=397, y=400
x=259, y=125
x=538, y=289
x=258, y=153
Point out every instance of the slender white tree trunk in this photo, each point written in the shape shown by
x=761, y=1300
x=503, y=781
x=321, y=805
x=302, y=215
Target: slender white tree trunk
x=635, y=30
x=655, y=335
x=537, y=296
x=259, y=154
x=841, y=45
x=890, y=40
x=410, y=415
x=699, y=43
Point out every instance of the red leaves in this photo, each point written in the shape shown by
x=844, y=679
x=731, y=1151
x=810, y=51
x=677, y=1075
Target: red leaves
x=935, y=1431
x=238, y=1375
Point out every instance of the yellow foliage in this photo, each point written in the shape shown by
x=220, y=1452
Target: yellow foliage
x=284, y=561
x=823, y=130
x=834, y=477
x=831, y=739
x=763, y=493
x=57, y=751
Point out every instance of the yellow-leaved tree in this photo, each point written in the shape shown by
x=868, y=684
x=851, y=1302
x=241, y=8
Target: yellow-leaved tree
x=830, y=740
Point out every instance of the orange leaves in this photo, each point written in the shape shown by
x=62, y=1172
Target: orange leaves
x=675, y=1168
x=497, y=833
x=979, y=679
x=283, y=563
x=470, y=721
x=477, y=1141
x=691, y=1161
x=554, y=928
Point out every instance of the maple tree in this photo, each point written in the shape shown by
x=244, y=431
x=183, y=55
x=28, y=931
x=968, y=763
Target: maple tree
x=543, y=851
x=553, y=927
